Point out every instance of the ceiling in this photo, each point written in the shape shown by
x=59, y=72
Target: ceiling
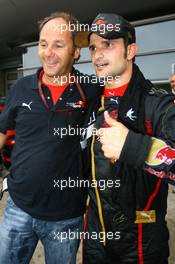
x=18, y=18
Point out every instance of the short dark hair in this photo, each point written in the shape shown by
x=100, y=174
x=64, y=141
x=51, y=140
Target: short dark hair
x=69, y=18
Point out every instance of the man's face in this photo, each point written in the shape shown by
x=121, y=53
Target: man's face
x=56, y=49
x=172, y=82
x=108, y=56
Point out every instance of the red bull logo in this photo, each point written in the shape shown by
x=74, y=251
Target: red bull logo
x=160, y=153
x=166, y=155
x=100, y=21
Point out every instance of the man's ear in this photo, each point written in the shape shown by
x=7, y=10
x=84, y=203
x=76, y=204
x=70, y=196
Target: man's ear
x=131, y=51
x=77, y=53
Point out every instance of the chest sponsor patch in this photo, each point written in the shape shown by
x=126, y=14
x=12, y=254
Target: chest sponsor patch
x=145, y=217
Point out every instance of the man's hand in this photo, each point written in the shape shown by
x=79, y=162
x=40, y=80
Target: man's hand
x=112, y=138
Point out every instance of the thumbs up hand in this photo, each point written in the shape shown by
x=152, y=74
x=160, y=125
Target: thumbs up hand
x=112, y=138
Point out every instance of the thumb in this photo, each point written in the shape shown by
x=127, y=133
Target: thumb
x=109, y=120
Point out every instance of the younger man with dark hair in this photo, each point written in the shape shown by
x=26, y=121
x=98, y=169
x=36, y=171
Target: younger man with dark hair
x=132, y=151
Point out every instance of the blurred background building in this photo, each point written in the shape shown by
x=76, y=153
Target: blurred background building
x=155, y=32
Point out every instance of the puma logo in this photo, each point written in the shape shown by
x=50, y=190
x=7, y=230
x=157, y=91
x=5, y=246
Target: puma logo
x=145, y=215
x=27, y=105
x=114, y=100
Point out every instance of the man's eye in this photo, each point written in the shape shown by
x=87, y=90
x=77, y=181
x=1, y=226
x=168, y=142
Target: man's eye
x=59, y=46
x=43, y=45
x=107, y=44
x=92, y=48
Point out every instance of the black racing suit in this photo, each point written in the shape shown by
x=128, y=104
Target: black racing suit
x=125, y=220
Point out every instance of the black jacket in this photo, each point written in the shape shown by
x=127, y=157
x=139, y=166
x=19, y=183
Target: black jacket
x=147, y=156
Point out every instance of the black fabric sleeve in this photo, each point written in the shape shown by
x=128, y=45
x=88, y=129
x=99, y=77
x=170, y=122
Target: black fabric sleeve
x=161, y=157
x=155, y=154
x=135, y=149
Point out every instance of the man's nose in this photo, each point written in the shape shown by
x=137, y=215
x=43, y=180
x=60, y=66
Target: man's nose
x=98, y=53
x=49, y=51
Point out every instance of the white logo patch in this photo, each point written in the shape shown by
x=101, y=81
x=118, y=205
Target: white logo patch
x=114, y=100
x=130, y=115
x=27, y=105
